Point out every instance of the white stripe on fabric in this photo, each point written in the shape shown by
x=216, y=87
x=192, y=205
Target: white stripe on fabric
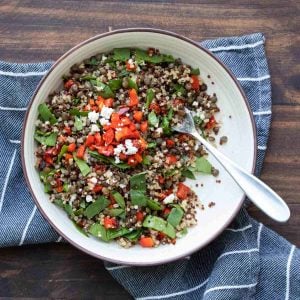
x=261, y=147
x=13, y=108
x=259, y=234
x=288, y=268
x=239, y=229
x=230, y=287
x=7, y=178
x=254, y=78
x=27, y=74
x=260, y=113
x=15, y=141
x=59, y=239
x=236, y=47
x=27, y=226
x=238, y=252
x=174, y=294
x=117, y=268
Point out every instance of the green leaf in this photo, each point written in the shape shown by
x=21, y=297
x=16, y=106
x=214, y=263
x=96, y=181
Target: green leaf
x=80, y=229
x=159, y=224
x=202, y=165
x=114, y=233
x=78, y=124
x=48, y=140
x=82, y=165
x=109, y=160
x=121, y=54
x=149, y=97
x=47, y=187
x=44, y=175
x=166, y=125
x=154, y=205
x=179, y=89
x=115, y=84
x=170, y=173
x=197, y=120
x=132, y=84
x=188, y=174
x=76, y=112
x=183, y=232
x=151, y=145
x=65, y=187
x=114, y=212
x=170, y=114
x=93, y=62
x=170, y=231
x=124, y=73
x=96, y=207
x=146, y=160
x=46, y=114
x=138, y=189
x=134, y=235
x=175, y=216
x=63, y=150
x=104, y=91
x=89, y=77
x=119, y=199
x=153, y=119
x=69, y=210
x=98, y=231
x=195, y=71
x=59, y=203
x=142, y=55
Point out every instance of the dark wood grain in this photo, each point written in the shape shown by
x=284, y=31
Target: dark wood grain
x=44, y=30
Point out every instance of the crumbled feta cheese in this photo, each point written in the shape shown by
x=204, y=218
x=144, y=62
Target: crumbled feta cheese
x=93, y=116
x=120, y=148
x=95, y=128
x=159, y=130
x=122, y=186
x=108, y=174
x=169, y=199
x=130, y=148
x=88, y=198
x=72, y=198
x=106, y=112
x=103, y=57
x=195, y=103
x=93, y=180
x=117, y=159
x=104, y=121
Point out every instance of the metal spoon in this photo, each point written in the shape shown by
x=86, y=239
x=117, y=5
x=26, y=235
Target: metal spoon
x=257, y=191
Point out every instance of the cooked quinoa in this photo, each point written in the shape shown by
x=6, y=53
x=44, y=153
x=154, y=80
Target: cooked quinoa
x=106, y=151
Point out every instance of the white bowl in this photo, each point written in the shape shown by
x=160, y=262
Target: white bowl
x=241, y=146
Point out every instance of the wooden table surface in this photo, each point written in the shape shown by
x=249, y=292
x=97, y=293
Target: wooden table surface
x=43, y=30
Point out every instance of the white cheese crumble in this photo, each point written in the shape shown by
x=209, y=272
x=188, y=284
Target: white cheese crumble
x=95, y=128
x=106, y=112
x=130, y=148
x=72, y=198
x=93, y=116
x=169, y=199
x=88, y=198
x=104, y=121
x=93, y=180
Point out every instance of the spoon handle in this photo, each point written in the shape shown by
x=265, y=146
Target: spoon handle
x=257, y=191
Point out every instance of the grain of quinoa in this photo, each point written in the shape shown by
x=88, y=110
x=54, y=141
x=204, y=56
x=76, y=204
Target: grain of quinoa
x=106, y=151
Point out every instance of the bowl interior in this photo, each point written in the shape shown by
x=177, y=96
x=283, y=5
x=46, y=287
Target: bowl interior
x=240, y=147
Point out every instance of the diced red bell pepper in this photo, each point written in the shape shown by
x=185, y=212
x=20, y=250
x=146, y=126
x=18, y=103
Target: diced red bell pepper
x=161, y=179
x=138, y=115
x=132, y=127
x=80, y=151
x=108, y=136
x=68, y=84
x=160, y=236
x=133, y=98
x=105, y=150
x=155, y=107
x=115, y=120
x=61, y=139
x=110, y=223
x=131, y=161
x=109, y=102
x=92, y=102
x=122, y=156
x=195, y=82
x=139, y=216
x=171, y=159
x=130, y=67
x=100, y=102
x=178, y=102
x=125, y=121
x=170, y=143
x=97, y=188
x=72, y=147
x=98, y=139
x=144, y=126
x=143, y=144
x=48, y=159
x=67, y=130
x=138, y=157
x=146, y=242
x=166, y=211
x=182, y=191
x=211, y=123
x=68, y=156
x=183, y=138
x=90, y=140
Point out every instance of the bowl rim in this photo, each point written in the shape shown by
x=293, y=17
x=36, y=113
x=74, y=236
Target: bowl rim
x=64, y=56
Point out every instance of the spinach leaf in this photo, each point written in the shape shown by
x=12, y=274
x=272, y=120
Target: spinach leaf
x=166, y=125
x=114, y=233
x=170, y=231
x=59, y=203
x=154, y=205
x=121, y=54
x=179, y=90
x=82, y=165
x=114, y=212
x=123, y=73
x=138, y=189
x=146, y=160
x=153, y=119
x=80, y=229
x=98, y=231
x=151, y=145
x=63, y=150
x=89, y=77
x=93, y=62
x=195, y=71
x=48, y=140
x=202, y=165
x=183, y=232
x=46, y=114
x=149, y=97
x=134, y=235
x=142, y=55
x=78, y=124
x=76, y=112
x=188, y=174
x=109, y=160
x=159, y=224
x=69, y=210
x=103, y=89
x=175, y=216
x=115, y=84
x=170, y=114
x=47, y=187
x=197, y=120
x=132, y=84
x=119, y=199
x=96, y=207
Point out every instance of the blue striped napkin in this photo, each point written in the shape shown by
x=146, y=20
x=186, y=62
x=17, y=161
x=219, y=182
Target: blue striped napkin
x=247, y=261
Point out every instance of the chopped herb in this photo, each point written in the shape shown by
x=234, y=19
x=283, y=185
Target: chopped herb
x=151, y=145
x=138, y=189
x=109, y=160
x=134, y=235
x=132, y=84
x=48, y=140
x=89, y=77
x=46, y=114
x=202, y=165
x=93, y=62
x=197, y=120
x=146, y=160
x=59, y=203
x=63, y=150
x=179, y=89
x=119, y=199
x=188, y=174
x=153, y=119
x=149, y=97
x=80, y=229
x=114, y=212
x=153, y=205
x=175, y=216
x=159, y=224
x=182, y=233
x=115, y=84
x=76, y=112
x=98, y=231
x=142, y=55
x=96, y=207
x=69, y=210
x=166, y=125
x=103, y=89
x=82, y=165
x=78, y=124
x=47, y=187
x=195, y=71
x=170, y=114
x=124, y=73
x=121, y=54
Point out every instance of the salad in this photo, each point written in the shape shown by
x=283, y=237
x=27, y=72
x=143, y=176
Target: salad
x=106, y=151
